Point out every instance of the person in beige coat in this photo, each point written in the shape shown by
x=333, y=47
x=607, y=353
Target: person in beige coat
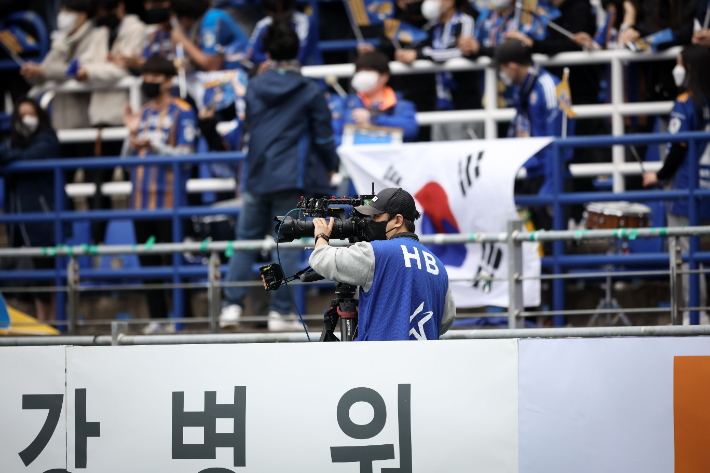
x=79, y=39
x=127, y=34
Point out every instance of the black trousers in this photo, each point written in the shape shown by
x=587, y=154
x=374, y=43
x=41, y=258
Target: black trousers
x=157, y=299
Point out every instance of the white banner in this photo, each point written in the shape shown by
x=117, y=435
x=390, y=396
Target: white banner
x=32, y=414
x=615, y=405
x=338, y=407
x=460, y=187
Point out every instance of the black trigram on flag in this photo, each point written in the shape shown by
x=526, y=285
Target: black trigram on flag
x=466, y=180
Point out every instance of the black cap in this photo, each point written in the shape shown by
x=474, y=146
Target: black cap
x=391, y=201
x=513, y=50
x=159, y=65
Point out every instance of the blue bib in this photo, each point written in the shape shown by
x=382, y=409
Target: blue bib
x=408, y=294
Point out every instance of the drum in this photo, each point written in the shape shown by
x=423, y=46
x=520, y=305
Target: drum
x=609, y=215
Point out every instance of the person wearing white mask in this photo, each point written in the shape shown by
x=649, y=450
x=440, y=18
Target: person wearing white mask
x=76, y=44
x=32, y=138
x=451, y=29
x=691, y=112
x=376, y=104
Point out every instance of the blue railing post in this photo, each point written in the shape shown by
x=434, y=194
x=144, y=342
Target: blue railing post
x=178, y=202
x=61, y=297
x=693, y=216
x=558, y=247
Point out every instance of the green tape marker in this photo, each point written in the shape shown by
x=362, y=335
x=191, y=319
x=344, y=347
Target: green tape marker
x=533, y=236
x=579, y=233
x=471, y=237
x=230, y=249
x=633, y=233
x=69, y=251
x=52, y=251
x=203, y=246
x=150, y=242
x=663, y=231
x=94, y=250
x=44, y=251
x=84, y=248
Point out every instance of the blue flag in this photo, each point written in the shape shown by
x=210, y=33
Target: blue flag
x=652, y=41
x=535, y=17
x=604, y=33
x=370, y=12
x=403, y=32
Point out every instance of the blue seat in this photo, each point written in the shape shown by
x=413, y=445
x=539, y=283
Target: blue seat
x=81, y=235
x=120, y=232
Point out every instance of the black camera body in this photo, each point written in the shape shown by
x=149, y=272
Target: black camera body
x=352, y=229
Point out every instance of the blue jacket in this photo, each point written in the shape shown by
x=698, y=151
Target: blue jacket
x=539, y=114
x=291, y=144
x=31, y=192
x=690, y=115
x=401, y=114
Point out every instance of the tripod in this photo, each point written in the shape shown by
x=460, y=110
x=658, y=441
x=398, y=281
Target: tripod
x=344, y=308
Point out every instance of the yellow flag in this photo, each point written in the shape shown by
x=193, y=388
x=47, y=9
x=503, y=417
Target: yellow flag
x=391, y=28
x=564, y=97
x=358, y=12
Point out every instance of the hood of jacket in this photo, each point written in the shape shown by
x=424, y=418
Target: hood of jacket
x=275, y=86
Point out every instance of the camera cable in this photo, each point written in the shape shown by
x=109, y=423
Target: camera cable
x=278, y=256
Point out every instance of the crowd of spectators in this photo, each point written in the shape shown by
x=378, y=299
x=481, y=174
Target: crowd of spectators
x=290, y=124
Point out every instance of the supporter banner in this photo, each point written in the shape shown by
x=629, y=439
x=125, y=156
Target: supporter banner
x=460, y=187
x=32, y=413
x=615, y=405
x=343, y=407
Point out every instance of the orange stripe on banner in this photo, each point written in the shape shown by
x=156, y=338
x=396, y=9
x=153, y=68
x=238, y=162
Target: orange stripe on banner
x=691, y=413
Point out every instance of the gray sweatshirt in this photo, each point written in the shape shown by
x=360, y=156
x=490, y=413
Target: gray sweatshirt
x=356, y=265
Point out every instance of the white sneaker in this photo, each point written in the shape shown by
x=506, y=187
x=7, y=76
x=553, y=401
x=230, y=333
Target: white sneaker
x=230, y=315
x=156, y=328
x=284, y=323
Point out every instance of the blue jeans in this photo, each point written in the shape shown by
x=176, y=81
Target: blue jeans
x=255, y=221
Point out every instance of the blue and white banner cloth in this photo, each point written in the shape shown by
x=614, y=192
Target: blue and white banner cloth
x=459, y=187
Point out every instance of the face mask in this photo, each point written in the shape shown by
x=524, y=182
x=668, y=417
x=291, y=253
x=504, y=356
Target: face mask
x=500, y=4
x=431, y=10
x=375, y=231
x=30, y=123
x=365, y=81
x=111, y=21
x=151, y=89
x=66, y=21
x=156, y=15
x=507, y=80
x=679, y=75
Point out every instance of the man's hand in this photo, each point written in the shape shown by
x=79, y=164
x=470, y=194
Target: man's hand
x=629, y=36
x=520, y=37
x=364, y=48
x=263, y=66
x=31, y=70
x=82, y=75
x=702, y=38
x=321, y=226
x=468, y=45
x=127, y=62
x=131, y=120
x=136, y=144
x=583, y=39
x=405, y=56
x=361, y=116
x=650, y=179
x=177, y=35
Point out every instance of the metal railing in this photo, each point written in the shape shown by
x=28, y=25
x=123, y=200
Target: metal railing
x=513, y=238
x=490, y=115
x=179, y=274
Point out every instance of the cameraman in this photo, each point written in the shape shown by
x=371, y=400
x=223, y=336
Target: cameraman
x=405, y=291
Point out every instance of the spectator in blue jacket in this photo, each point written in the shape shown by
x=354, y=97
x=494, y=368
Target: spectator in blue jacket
x=376, y=104
x=285, y=11
x=538, y=109
x=32, y=138
x=205, y=33
x=291, y=154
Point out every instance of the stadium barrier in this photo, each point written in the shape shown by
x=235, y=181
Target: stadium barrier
x=179, y=273
x=490, y=115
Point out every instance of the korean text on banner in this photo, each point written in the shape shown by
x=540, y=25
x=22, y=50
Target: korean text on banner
x=255, y=408
x=460, y=187
x=32, y=412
